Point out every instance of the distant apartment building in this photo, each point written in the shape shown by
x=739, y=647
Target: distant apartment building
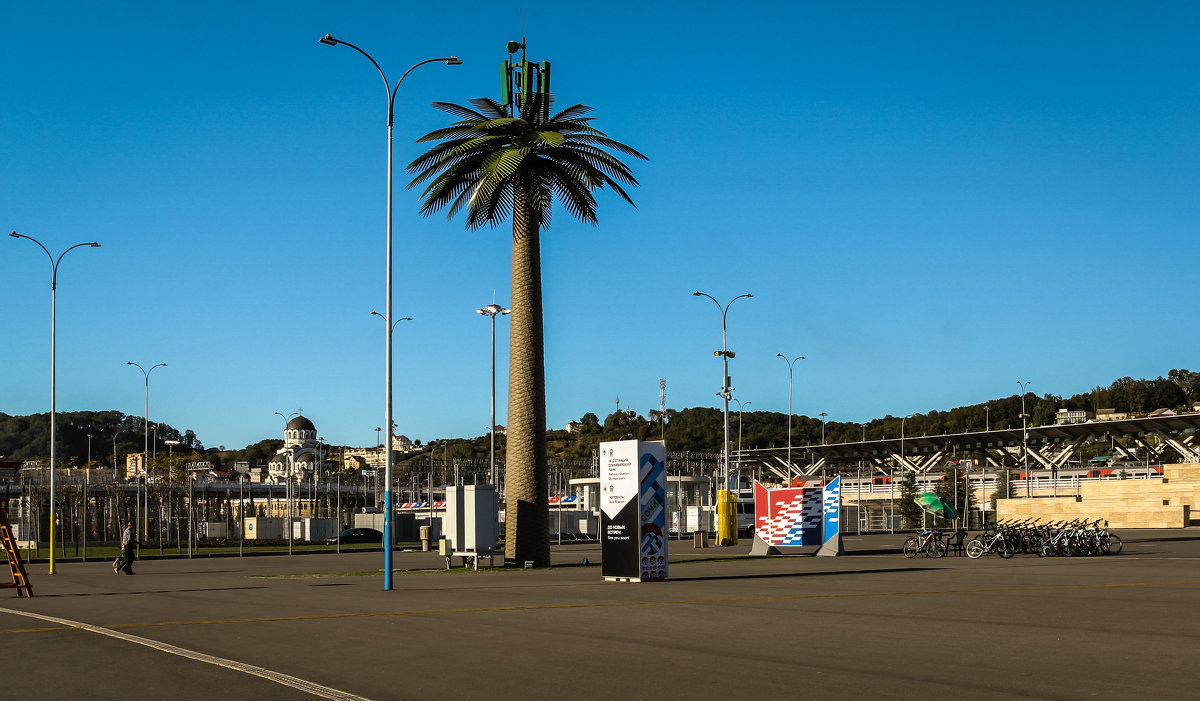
x=1074, y=416
x=401, y=444
x=358, y=459
x=135, y=465
x=1111, y=415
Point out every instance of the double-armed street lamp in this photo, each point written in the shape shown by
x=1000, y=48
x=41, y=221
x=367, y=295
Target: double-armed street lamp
x=1025, y=437
x=53, y=367
x=146, y=443
x=287, y=485
x=493, y=310
x=390, y=90
x=740, y=404
x=392, y=426
x=725, y=354
x=791, y=362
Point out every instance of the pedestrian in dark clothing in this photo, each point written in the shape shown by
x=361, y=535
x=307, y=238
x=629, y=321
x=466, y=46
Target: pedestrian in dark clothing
x=124, y=563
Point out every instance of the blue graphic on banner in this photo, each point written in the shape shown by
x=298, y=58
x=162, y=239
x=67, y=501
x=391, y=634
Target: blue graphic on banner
x=810, y=517
x=653, y=500
x=832, y=509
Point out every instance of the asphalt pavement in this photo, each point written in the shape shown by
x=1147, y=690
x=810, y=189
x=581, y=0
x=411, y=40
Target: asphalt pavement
x=870, y=623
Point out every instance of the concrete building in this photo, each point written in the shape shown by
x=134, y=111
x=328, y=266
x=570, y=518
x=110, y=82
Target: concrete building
x=1073, y=416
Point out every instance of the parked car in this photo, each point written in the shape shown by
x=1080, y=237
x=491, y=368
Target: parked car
x=357, y=535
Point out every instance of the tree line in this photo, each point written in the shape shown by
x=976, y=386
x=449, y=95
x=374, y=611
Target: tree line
x=697, y=429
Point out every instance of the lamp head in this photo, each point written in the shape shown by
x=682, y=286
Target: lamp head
x=15, y=235
x=453, y=61
x=129, y=362
x=328, y=39
x=95, y=244
x=696, y=294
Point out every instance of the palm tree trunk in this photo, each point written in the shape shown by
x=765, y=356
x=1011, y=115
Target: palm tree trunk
x=527, y=517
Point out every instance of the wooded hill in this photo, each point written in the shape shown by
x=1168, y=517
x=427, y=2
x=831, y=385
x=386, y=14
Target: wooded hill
x=697, y=429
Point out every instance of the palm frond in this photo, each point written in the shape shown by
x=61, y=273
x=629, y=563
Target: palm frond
x=489, y=107
x=459, y=110
x=479, y=163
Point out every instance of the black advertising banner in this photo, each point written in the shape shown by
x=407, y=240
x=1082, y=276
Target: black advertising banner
x=633, y=510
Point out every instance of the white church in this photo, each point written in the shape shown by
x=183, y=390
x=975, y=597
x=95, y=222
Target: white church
x=302, y=454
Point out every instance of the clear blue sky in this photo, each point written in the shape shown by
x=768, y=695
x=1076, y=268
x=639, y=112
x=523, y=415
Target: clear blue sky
x=929, y=200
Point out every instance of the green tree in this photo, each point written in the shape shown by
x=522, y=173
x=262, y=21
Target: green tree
x=1005, y=489
x=498, y=161
x=910, y=512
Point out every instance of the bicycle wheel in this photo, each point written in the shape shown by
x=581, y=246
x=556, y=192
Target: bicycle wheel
x=974, y=549
x=936, y=548
x=1005, y=549
x=911, y=546
x=1046, y=550
x=1114, y=544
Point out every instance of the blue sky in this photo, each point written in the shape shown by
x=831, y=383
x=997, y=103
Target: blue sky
x=928, y=200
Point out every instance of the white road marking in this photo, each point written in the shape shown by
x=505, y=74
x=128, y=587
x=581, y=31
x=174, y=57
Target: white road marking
x=269, y=675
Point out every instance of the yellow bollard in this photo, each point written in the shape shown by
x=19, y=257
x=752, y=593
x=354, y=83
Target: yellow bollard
x=726, y=517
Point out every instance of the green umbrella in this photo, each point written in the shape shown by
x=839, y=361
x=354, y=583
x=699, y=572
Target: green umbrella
x=934, y=504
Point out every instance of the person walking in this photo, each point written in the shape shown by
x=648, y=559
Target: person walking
x=124, y=563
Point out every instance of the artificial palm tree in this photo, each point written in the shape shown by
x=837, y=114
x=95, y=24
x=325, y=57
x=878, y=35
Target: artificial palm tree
x=493, y=164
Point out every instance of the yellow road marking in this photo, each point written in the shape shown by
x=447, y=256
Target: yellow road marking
x=606, y=604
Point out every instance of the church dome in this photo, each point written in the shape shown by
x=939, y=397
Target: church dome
x=301, y=423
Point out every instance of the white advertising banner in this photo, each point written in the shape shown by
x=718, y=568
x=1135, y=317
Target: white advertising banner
x=632, y=510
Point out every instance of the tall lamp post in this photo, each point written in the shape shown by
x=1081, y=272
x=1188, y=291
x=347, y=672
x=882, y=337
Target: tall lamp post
x=726, y=392
x=387, y=419
x=790, y=363
x=391, y=424
x=1025, y=437
x=53, y=366
x=146, y=443
x=287, y=489
x=493, y=310
x=740, y=405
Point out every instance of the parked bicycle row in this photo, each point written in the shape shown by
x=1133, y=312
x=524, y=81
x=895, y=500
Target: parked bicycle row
x=1058, y=538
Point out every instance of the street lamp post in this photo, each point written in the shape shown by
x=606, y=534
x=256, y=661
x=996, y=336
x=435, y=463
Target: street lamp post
x=726, y=392
x=492, y=310
x=902, y=465
x=146, y=443
x=387, y=419
x=740, y=405
x=902, y=420
x=287, y=489
x=1025, y=438
x=170, y=464
x=790, y=364
x=53, y=367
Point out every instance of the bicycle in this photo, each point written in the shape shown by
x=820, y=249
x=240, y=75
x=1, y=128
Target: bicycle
x=929, y=542
x=1110, y=543
x=990, y=543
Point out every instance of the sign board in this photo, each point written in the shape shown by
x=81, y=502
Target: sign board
x=633, y=516
x=798, y=516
